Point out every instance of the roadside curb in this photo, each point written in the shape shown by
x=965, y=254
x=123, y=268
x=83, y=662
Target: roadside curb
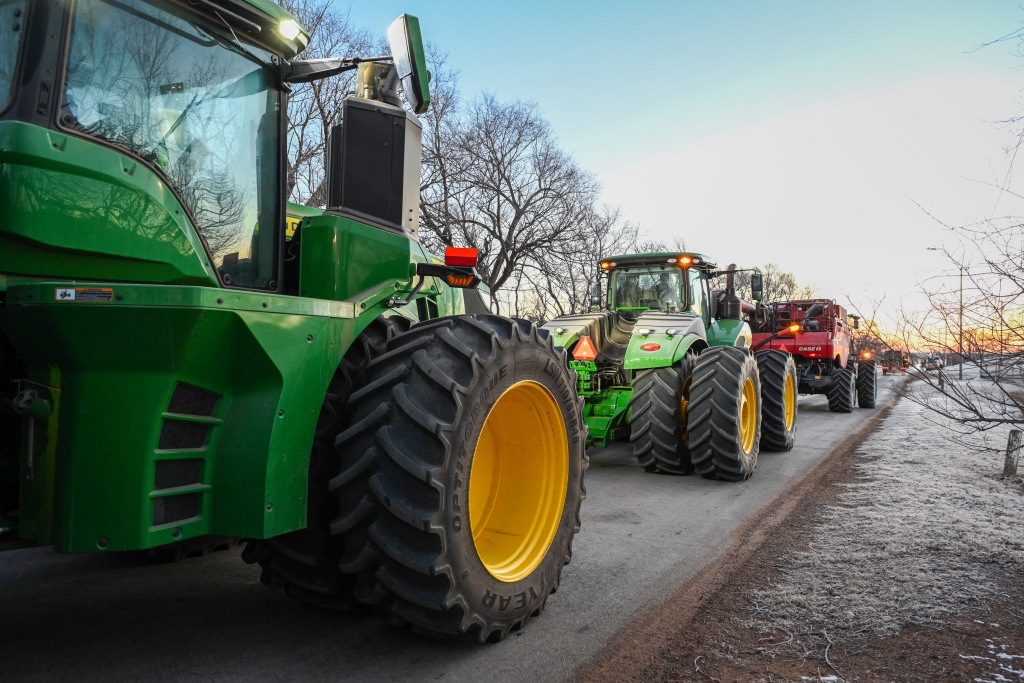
x=625, y=655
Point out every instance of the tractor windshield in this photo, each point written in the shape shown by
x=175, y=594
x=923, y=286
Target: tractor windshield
x=659, y=288
x=201, y=109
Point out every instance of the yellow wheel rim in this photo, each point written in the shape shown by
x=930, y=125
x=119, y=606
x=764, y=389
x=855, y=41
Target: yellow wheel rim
x=789, y=402
x=517, y=481
x=748, y=415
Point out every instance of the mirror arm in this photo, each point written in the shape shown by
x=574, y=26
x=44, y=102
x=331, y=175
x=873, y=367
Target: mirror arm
x=309, y=70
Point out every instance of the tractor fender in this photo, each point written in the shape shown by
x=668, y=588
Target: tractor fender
x=730, y=333
x=667, y=355
x=652, y=328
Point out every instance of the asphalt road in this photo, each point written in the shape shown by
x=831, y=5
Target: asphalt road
x=110, y=618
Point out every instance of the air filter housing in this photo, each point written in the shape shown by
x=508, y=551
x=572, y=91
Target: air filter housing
x=374, y=164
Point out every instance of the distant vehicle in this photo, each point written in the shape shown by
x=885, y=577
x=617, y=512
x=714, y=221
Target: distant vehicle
x=933, y=363
x=895, y=362
x=817, y=334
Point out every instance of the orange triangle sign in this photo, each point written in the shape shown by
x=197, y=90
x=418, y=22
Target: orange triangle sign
x=584, y=350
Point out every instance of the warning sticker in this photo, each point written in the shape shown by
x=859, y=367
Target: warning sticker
x=83, y=294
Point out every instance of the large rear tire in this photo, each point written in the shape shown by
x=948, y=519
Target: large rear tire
x=657, y=418
x=842, y=391
x=305, y=562
x=867, y=384
x=724, y=414
x=461, y=477
x=778, y=399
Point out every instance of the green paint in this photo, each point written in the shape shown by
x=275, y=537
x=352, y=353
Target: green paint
x=340, y=256
x=419, y=57
x=72, y=211
x=120, y=363
x=729, y=333
x=672, y=349
x=80, y=214
x=605, y=411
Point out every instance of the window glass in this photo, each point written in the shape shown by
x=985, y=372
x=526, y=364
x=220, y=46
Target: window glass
x=12, y=27
x=657, y=288
x=698, y=293
x=202, y=110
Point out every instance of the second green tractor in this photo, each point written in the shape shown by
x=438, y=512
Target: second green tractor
x=665, y=360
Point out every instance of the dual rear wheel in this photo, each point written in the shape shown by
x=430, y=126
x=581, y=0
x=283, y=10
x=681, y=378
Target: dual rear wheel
x=713, y=413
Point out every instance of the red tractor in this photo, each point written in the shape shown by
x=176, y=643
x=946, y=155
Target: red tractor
x=817, y=333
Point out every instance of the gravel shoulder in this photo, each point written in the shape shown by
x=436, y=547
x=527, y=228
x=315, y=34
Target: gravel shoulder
x=898, y=559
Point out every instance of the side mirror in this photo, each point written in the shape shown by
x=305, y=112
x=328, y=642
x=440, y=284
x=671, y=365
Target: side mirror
x=410, y=62
x=756, y=286
x=856, y=321
x=595, y=295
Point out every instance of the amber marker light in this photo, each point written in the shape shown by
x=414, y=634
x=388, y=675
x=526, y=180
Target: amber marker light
x=866, y=355
x=605, y=265
x=650, y=347
x=685, y=260
x=457, y=281
x=794, y=328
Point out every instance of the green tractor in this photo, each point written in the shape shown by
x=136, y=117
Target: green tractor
x=185, y=359
x=665, y=361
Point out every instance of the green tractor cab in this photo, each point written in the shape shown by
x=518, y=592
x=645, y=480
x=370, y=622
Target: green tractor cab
x=665, y=360
x=186, y=358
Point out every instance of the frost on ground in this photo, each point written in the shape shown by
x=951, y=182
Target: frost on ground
x=929, y=533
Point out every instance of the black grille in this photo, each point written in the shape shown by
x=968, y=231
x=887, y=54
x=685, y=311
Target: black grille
x=190, y=400
x=174, y=473
x=175, y=508
x=177, y=435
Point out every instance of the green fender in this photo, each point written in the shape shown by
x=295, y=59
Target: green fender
x=672, y=349
x=673, y=333
x=730, y=333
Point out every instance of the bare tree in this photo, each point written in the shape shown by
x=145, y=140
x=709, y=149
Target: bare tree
x=778, y=284
x=561, y=284
x=495, y=179
x=988, y=326
x=313, y=108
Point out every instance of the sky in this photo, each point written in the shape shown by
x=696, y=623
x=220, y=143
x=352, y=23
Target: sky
x=816, y=135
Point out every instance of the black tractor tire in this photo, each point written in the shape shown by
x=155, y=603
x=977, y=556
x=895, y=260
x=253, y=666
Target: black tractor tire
x=778, y=377
x=719, y=402
x=867, y=384
x=421, y=430
x=657, y=418
x=305, y=562
x=842, y=390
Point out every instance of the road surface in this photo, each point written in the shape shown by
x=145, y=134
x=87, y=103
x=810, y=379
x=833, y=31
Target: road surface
x=111, y=618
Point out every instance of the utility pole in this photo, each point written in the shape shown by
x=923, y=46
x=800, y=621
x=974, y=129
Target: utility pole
x=960, y=342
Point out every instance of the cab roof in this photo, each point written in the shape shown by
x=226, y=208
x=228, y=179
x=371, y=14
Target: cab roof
x=269, y=16
x=659, y=258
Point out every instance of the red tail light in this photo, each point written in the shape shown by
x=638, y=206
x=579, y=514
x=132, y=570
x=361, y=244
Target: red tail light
x=650, y=347
x=454, y=256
